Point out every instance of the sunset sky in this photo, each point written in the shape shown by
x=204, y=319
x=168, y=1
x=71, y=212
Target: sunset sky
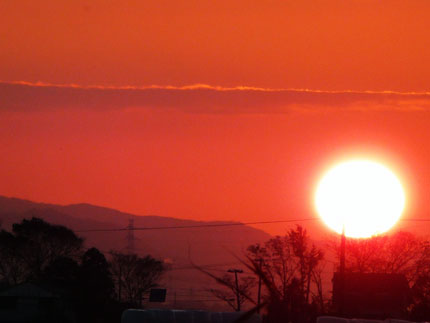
x=210, y=110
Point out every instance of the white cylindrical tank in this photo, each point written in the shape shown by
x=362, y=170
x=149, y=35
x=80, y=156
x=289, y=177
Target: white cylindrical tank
x=331, y=319
x=138, y=316
x=231, y=317
x=182, y=316
x=185, y=316
x=364, y=321
x=256, y=318
x=163, y=315
x=216, y=317
x=201, y=317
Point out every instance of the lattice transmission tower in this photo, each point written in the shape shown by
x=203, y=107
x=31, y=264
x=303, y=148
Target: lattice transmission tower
x=130, y=237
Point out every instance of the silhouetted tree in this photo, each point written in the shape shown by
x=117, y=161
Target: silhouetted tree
x=134, y=275
x=63, y=273
x=288, y=267
x=32, y=246
x=233, y=294
x=399, y=253
x=12, y=266
x=318, y=297
x=42, y=243
x=51, y=255
x=95, y=285
x=95, y=276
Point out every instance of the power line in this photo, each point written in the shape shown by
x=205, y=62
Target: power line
x=197, y=226
x=217, y=225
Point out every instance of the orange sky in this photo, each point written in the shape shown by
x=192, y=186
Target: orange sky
x=337, y=45
x=209, y=152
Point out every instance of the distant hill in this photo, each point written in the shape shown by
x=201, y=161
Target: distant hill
x=215, y=248
x=171, y=243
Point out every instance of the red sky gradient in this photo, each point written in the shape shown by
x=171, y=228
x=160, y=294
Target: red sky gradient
x=217, y=152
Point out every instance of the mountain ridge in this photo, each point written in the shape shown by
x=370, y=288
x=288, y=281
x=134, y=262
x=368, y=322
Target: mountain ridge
x=18, y=205
x=214, y=248
x=208, y=243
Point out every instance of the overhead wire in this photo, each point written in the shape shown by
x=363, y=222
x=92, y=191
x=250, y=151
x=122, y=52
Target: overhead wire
x=195, y=226
x=213, y=225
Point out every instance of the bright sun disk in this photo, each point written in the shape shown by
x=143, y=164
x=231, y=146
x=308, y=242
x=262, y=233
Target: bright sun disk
x=362, y=196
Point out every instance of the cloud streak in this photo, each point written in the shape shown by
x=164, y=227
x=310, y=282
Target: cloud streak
x=203, y=98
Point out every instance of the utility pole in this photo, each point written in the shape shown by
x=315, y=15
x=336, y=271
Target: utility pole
x=120, y=283
x=236, y=271
x=259, y=285
x=342, y=272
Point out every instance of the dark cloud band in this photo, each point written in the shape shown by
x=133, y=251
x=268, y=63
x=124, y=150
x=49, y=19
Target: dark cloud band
x=21, y=96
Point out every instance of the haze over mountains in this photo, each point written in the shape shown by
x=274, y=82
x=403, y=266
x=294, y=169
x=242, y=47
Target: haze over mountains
x=214, y=248
x=171, y=243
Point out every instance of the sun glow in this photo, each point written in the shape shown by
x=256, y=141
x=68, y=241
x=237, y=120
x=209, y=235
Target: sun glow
x=362, y=196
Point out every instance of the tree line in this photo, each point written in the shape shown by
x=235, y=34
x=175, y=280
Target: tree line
x=290, y=269
x=54, y=257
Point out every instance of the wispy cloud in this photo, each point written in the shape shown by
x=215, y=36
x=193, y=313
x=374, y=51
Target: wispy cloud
x=203, y=98
x=205, y=86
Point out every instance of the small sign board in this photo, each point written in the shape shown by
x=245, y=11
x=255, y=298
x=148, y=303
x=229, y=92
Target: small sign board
x=157, y=295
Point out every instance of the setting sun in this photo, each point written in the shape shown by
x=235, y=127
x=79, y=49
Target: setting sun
x=362, y=196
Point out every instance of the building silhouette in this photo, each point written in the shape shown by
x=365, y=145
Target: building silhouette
x=371, y=295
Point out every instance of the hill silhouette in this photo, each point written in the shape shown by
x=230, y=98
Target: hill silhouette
x=214, y=248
